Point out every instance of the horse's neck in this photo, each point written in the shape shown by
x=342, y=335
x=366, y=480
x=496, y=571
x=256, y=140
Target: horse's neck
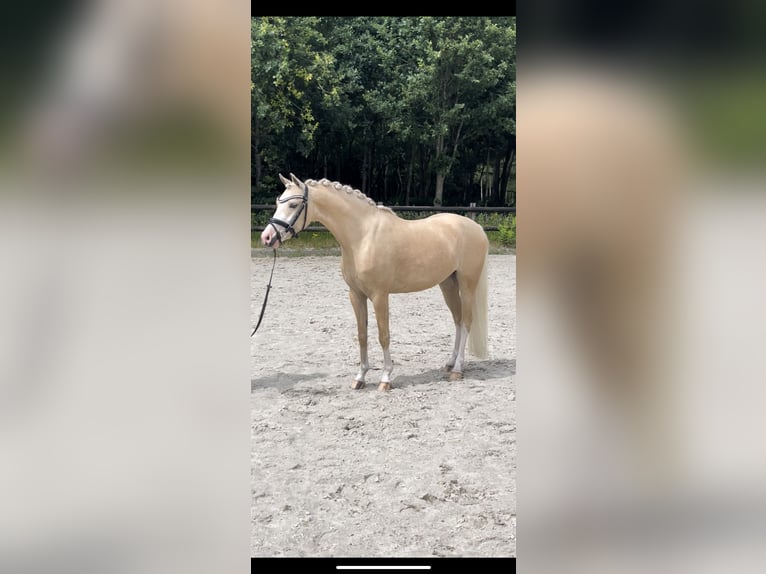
x=347, y=218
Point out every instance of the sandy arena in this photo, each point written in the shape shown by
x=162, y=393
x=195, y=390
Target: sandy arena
x=427, y=469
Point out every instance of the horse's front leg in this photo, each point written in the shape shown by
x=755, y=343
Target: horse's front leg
x=359, y=303
x=380, y=303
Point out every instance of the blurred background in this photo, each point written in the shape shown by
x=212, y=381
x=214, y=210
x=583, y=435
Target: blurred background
x=124, y=306
x=641, y=140
x=124, y=301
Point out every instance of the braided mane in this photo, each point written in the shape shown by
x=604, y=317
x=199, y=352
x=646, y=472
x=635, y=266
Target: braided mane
x=337, y=186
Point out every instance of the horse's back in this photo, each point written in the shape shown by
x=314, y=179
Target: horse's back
x=412, y=255
x=459, y=226
x=466, y=234
x=462, y=238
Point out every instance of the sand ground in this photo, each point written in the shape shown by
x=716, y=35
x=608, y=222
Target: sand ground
x=427, y=469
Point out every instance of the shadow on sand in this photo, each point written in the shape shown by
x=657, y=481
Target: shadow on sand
x=283, y=381
x=475, y=370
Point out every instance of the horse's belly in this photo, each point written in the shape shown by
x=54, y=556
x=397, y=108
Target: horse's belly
x=413, y=257
x=420, y=278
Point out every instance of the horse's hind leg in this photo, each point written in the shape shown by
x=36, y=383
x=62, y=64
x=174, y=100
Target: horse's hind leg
x=359, y=303
x=467, y=290
x=451, y=292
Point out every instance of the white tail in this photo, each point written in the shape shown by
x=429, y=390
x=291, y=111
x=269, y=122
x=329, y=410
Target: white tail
x=477, y=338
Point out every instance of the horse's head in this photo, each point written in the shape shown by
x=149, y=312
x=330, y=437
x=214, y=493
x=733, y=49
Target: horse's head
x=291, y=216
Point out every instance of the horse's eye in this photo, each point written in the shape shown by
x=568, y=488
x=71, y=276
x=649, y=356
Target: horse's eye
x=293, y=204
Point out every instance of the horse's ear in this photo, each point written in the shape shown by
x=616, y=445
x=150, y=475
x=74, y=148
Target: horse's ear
x=284, y=180
x=296, y=181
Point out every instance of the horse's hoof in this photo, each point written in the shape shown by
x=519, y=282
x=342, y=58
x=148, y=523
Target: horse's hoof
x=455, y=376
x=384, y=387
x=447, y=368
x=356, y=385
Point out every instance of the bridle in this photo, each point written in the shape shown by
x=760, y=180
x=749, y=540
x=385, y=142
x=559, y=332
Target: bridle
x=288, y=225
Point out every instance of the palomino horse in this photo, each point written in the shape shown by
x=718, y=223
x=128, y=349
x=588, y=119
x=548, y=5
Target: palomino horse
x=383, y=254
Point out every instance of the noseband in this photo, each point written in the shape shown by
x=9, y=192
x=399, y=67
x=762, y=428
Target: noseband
x=288, y=225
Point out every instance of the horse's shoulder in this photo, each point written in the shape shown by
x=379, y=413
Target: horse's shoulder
x=350, y=269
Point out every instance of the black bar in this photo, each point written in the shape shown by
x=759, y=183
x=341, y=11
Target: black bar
x=437, y=565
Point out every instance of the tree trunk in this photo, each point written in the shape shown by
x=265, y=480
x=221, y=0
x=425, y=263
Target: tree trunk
x=258, y=159
x=371, y=164
x=508, y=161
x=409, y=175
x=439, y=174
x=481, y=183
x=439, y=189
x=424, y=175
x=496, y=182
x=385, y=181
x=457, y=140
x=440, y=177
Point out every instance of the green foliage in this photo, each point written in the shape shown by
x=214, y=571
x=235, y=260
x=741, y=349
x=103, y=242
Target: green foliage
x=386, y=104
x=506, y=227
x=291, y=73
x=508, y=232
x=726, y=117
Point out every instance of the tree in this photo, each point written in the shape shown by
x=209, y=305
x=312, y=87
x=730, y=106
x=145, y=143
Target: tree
x=290, y=72
x=471, y=75
x=408, y=109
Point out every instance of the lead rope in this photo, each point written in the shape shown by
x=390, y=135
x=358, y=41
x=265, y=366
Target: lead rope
x=266, y=298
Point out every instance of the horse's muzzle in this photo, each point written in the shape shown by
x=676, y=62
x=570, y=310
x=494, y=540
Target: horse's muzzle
x=270, y=237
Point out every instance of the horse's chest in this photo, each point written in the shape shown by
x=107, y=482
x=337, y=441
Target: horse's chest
x=350, y=275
